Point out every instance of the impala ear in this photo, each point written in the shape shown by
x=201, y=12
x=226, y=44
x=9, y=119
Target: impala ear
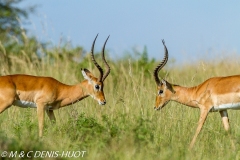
x=87, y=74
x=168, y=85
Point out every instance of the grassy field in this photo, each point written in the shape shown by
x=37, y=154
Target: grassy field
x=127, y=127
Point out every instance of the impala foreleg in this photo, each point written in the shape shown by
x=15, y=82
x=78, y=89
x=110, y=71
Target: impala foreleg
x=40, y=114
x=51, y=115
x=201, y=121
x=225, y=119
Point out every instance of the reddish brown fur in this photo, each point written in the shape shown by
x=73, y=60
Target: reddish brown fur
x=213, y=92
x=45, y=91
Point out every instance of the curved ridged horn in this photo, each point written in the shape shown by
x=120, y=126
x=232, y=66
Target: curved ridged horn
x=94, y=61
x=104, y=60
x=161, y=65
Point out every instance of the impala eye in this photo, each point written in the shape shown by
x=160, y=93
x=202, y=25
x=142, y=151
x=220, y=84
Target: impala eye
x=97, y=87
x=160, y=92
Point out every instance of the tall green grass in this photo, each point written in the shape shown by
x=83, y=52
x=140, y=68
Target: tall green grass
x=127, y=127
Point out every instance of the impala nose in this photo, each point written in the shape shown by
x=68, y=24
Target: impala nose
x=102, y=102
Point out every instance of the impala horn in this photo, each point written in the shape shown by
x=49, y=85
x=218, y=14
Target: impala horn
x=104, y=60
x=161, y=65
x=101, y=76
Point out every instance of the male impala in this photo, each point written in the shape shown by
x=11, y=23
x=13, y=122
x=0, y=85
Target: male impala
x=47, y=94
x=213, y=95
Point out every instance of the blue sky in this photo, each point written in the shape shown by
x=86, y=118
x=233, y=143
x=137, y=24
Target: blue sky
x=191, y=29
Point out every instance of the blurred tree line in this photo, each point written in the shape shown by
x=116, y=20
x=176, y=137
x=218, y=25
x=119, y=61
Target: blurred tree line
x=15, y=41
x=13, y=38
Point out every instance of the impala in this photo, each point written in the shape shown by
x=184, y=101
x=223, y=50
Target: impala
x=217, y=94
x=48, y=94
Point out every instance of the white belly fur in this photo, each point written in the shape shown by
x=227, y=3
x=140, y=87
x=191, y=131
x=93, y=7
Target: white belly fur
x=221, y=107
x=26, y=104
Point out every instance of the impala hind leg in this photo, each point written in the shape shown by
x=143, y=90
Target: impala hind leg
x=4, y=104
x=225, y=119
x=51, y=115
x=202, y=119
x=226, y=125
x=3, y=107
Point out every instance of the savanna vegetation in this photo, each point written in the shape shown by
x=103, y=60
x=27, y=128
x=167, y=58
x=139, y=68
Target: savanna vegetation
x=127, y=127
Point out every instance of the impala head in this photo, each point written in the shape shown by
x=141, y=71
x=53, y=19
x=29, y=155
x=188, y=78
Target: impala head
x=164, y=88
x=95, y=85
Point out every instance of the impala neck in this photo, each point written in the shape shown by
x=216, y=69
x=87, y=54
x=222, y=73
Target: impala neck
x=73, y=94
x=185, y=95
